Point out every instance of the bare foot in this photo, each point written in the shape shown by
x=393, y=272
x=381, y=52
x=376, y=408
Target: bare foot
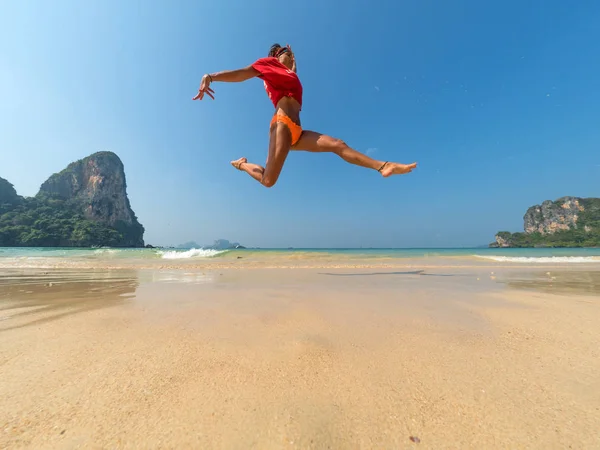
x=392, y=168
x=238, y=163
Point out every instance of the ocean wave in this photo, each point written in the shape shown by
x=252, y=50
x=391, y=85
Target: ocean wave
x=542, y=259
x=106, y=251
x=192, y=253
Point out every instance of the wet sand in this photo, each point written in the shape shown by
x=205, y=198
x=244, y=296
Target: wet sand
x=312, y=358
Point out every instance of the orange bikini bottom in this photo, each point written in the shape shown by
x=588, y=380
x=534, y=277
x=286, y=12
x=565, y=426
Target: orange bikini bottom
x=295, y=129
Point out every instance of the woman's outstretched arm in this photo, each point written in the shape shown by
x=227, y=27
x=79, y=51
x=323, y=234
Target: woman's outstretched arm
x=229, y=76
x=234, y=76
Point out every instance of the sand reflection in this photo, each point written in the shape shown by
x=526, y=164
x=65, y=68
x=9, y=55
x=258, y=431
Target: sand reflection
x=575, y=282
x=34, y=297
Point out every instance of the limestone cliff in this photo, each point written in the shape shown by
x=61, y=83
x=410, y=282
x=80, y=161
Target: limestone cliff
x=566, y=222
x=98, y=185
x=7, y=192
x=550, y=217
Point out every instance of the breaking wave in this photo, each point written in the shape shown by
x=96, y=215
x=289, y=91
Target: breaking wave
x=542, y=259
x=106, y=251
x=192, y=253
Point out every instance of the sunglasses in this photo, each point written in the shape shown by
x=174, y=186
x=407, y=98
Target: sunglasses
x=280, y=52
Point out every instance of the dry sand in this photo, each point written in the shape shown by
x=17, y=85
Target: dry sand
x=300, y=359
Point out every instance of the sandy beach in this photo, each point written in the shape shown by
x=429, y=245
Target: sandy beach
x=448, y=357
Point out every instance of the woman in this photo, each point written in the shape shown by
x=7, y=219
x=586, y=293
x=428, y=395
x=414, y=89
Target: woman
x=278, y=72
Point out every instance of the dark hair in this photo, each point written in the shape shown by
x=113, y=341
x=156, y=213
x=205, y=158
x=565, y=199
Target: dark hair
x=274, y=49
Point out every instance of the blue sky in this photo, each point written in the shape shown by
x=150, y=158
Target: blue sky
x=498, y=103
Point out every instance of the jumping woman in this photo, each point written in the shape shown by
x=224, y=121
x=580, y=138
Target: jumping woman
x=278, y=72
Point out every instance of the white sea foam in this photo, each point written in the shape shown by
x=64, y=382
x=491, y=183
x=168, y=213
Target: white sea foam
x=542, y=259
x=192, y=253
x=106, y=251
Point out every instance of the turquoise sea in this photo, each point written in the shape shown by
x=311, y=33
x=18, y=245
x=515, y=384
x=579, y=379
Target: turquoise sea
x=164, y=257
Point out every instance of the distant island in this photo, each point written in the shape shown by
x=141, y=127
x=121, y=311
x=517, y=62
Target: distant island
x=84, y=205
x=566, y=222
x=219, y=244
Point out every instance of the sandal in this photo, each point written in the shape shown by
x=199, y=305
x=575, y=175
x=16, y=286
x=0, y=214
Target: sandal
x=238, y=164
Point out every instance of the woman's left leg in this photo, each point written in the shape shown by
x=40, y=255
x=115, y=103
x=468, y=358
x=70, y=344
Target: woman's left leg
x=316, y=142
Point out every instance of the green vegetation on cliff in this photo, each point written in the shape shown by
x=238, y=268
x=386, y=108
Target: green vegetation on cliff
x=7, y=193
x=566, y=222
x=47, y=221
x=569, y=238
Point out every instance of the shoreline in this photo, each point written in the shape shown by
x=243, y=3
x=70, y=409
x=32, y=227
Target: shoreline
x=266, y=266
x=464, y=259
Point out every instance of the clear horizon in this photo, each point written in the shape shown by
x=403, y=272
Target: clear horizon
x=497, y=104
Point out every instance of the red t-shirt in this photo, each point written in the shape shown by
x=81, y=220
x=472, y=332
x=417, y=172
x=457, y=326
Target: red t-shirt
x=279, y=81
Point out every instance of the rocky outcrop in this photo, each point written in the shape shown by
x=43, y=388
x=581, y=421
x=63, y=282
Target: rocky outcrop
x=503, y=240
x=98, y=185
x=189, y=244
x=224, y=244
x=219, y=244
x=85, y=205
x=550, y=217
x=566, y=222
x=8, y=194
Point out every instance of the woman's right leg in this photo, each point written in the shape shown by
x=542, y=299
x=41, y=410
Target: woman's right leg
x=280, y=141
